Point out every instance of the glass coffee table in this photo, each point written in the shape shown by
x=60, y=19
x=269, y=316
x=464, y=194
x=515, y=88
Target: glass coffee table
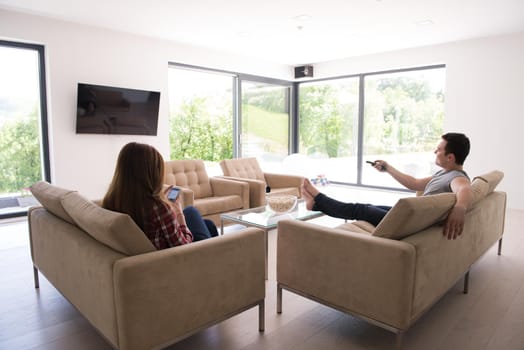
x=267, y=220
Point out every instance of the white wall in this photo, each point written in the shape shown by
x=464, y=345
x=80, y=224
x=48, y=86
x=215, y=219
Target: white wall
x=484, y=90
x=77, y=53
x=484, y=98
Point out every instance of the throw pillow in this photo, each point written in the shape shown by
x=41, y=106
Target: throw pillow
x=49, y=196
x=413, y=214
x=113, y=229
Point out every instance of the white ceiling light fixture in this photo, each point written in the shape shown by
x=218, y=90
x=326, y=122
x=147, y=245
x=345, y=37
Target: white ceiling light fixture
x=424, y=22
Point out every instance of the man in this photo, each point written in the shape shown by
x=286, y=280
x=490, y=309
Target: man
x=450, y=154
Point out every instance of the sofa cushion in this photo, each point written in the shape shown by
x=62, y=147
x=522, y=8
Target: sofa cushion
x=358, y=226
x=113, y=229
x=215, y=205
x=492, y=178
x=412, y=214
x=480, y=189
x=49, y=196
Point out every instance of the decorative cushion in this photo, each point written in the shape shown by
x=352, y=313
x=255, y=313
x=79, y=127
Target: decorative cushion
x=49, y=196
x=492, y=178
x=113, y=229
x=480, y=189
x=412, y=214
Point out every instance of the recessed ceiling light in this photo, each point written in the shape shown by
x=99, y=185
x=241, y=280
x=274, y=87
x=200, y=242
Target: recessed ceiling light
x=302, y=17
x=424, y=22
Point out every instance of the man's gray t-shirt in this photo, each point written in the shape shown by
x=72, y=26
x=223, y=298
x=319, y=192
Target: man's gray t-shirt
x=441, y=181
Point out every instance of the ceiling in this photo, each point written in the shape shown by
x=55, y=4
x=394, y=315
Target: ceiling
x=292, y=32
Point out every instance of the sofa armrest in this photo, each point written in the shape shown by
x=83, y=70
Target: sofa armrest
x=361, y=274
x=166, y=295
x=226, y=187
x=283, y=180
x=257, y=190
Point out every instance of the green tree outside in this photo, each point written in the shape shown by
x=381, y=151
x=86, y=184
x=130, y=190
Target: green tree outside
x=196, y=134
x=19, y=153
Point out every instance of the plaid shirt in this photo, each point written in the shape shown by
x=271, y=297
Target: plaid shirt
x=164, y=230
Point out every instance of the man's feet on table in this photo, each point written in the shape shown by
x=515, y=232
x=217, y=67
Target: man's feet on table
x=309, y=192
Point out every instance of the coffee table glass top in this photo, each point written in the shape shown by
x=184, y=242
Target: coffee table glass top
x=266, y=219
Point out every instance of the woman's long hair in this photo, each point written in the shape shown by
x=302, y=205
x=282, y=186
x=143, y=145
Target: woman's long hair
x=137, y=182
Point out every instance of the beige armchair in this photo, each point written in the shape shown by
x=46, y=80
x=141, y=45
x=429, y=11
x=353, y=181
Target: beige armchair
x=248, y=170
x=212, y=196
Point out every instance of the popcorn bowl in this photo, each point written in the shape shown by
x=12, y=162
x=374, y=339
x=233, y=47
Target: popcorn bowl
x=281, y=203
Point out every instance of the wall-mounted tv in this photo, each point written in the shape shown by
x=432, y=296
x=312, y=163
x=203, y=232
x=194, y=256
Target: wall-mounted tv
x=115, y=110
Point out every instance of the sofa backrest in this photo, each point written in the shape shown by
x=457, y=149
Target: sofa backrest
x=116, y=230
x=413, y=214
x=189, y=173
x=247, y=168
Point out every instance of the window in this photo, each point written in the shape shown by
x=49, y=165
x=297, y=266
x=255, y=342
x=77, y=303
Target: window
x=201, y=115
x=403, y=117
x=265, y=121
x=328, y=128
x=24, y=156
x=396, y=116
x=340, y=123
x=206, y=118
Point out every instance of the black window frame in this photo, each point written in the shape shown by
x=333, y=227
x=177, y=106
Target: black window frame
x=44, y=142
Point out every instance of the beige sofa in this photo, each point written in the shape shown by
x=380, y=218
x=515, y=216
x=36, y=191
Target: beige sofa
x=391, y=274
x=135, y=296
x=212, y=196
x=248, y=170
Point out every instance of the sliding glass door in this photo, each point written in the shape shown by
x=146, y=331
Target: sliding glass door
x=265, y=122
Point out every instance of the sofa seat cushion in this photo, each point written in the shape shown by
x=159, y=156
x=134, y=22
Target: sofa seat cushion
x=215, y=205
x=113, y=229
x=412, y=214
x=49, y=196
x=358, y=226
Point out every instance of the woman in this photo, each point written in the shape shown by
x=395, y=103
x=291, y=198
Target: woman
x=137, y=190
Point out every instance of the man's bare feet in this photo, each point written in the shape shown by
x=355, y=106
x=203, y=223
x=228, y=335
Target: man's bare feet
x=307, y=194
x=308, y=186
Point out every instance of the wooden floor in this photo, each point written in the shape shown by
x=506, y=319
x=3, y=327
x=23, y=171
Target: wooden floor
x=491, y=316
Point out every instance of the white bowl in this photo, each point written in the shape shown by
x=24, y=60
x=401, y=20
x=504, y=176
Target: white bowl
x=281, y=203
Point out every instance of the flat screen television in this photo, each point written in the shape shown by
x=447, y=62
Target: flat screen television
x=114, y=110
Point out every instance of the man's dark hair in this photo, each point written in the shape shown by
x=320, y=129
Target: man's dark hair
x=458, y=144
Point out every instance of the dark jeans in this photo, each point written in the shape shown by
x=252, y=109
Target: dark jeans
x=350, y=211
x=199, y=227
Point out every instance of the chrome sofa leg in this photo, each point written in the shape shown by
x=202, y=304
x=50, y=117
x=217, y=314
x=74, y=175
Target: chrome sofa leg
x=466, y=282
x=500, y=246
x=35, y=275
x=279, y=299
x=261, y=316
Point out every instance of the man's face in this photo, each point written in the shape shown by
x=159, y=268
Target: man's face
x=441, y=158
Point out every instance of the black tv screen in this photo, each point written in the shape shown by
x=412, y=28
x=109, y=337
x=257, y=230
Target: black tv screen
x=114, y=110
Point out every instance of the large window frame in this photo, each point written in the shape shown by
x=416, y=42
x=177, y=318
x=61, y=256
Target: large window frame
x=238, y=80
x=294, y=93
x=361, y=119
x=44, y=142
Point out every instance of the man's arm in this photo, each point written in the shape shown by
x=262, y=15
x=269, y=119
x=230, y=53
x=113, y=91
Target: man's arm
x=405, y=180
x=455, y=221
